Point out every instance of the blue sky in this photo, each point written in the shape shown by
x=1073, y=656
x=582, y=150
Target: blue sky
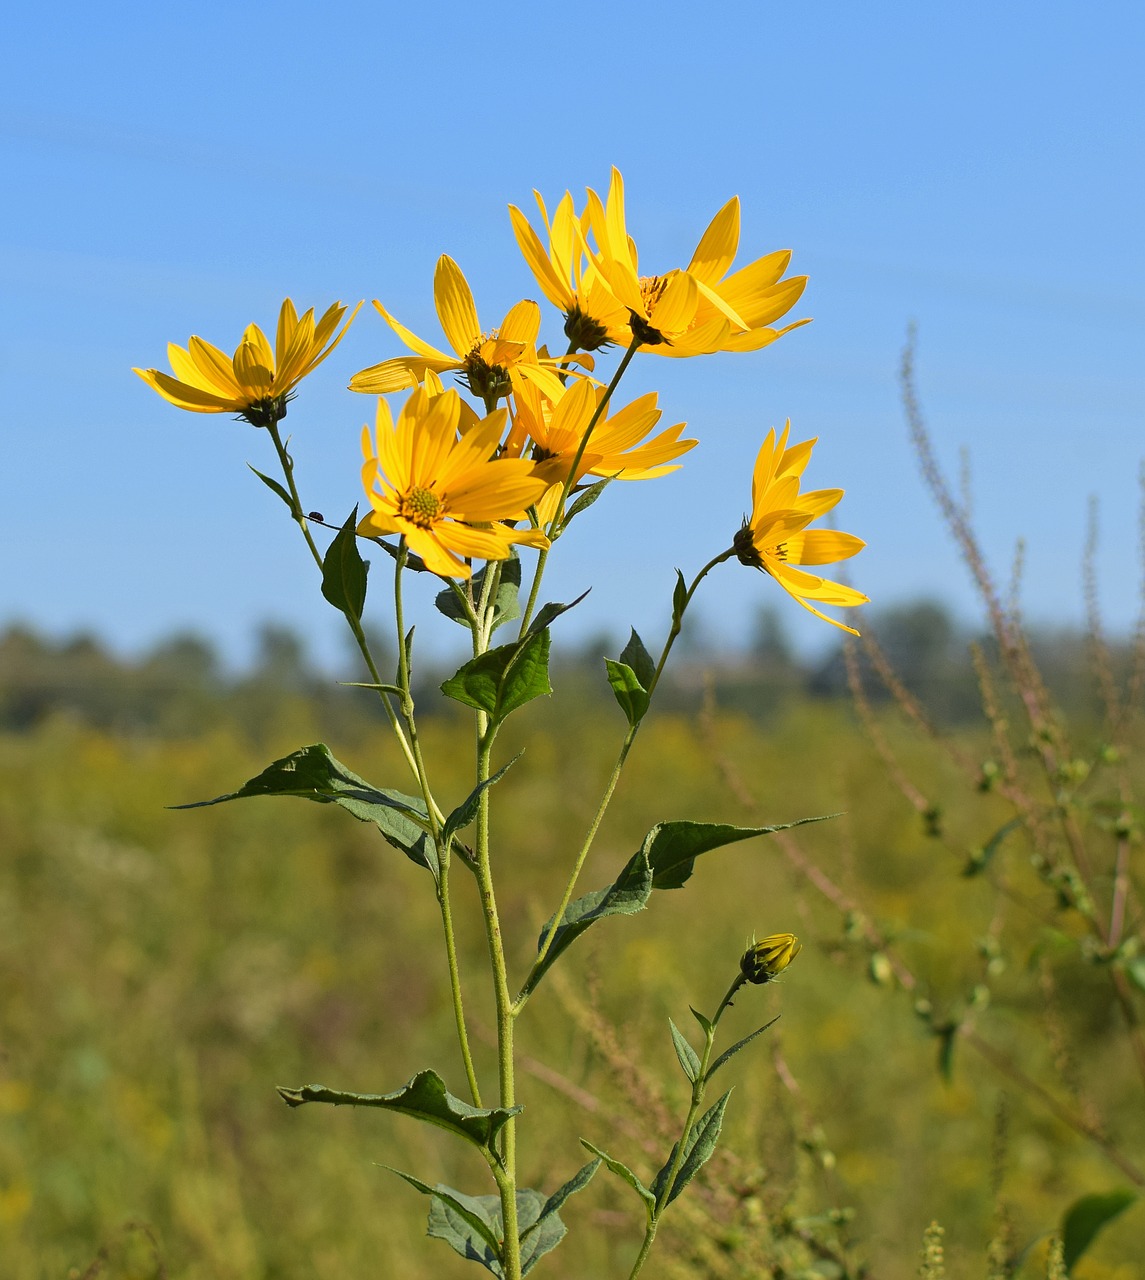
x=975, y=167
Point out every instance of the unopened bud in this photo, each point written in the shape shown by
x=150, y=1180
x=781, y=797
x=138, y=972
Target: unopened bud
x=765, y=960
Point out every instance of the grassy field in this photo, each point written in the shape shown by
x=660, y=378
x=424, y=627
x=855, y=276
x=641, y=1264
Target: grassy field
x=161, y=972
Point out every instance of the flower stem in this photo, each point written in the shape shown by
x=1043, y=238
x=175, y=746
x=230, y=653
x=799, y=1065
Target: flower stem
x=698, y=1086
x=614, y=778
x=287, y=464
x=506, y=1174
x=555, y=524
x=442, y=846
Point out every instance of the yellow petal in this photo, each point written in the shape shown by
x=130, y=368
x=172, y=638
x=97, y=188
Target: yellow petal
x=822, y=546
x=522, y=324
x=411, y=339
x=717, y=248
x=455, y=307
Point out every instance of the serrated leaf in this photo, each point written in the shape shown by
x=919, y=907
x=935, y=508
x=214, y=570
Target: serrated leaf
x=639, y=659
x=312, y=773
x=739, y=1044
x=424, y=1097
x=689, y=1059
x=665, y=860
x=1086, y=1217
x=344, y=571
x=506, y=602
x=623, y=1172
x=276, y=487
x=629, y=692
x=679, y=597
x=466, y=812
x=549, y=612
x=504, y=679
x=697, y=1152
x=585, y=499
x=466, y=1223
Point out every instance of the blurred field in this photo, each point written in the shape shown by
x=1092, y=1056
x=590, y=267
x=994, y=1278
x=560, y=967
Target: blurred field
x=161, y=972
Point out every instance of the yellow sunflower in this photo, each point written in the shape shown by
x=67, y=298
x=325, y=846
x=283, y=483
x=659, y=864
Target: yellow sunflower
x=687, y=311
x=618, y=446
x=256, y=381
x=776, y=538
x=446, y=495
x=489, y=364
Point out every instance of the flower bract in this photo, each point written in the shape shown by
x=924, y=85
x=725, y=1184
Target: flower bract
x=776, y=538
x=257, y=380
x=446, y=495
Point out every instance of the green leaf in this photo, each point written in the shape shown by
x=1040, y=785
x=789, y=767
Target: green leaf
x=344, y=571
x=739, y=1044
x=665, y=860
x=697, y=1152
x=679, y=597
x=473, y=1226
x=1136, y=971
x=980, y=859
x=705, y=1023
x=504, y=679
x=585, y=499
x=550, y=612
x=577, y=1182
x=539, y=1224
x=506, y=602
x=466, y=812
x=689, y=1059
x=625, y=896
x=312, y=773
x=468, y=1224
x=273, y=484
x=639, y=659
x=424, y=1097
x=1086, y=1217
x=624, y=1172
x=630, y=693
x=671, y=848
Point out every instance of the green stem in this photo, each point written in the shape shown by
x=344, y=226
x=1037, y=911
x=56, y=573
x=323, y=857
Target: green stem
x=287, y=464
x=554, y=528
x=442, y=846
x=506, y=1173
x=614, y=777
x=698, y=1086
x=507, y=1181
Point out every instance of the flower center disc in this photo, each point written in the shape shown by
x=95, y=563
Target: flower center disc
x=421, y=507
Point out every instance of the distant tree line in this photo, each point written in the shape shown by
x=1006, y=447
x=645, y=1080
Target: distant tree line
x=181, y=687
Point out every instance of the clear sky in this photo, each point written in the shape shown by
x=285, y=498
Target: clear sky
x=976, y=167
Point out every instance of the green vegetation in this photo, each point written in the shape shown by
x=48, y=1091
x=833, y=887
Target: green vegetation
x=161, y=973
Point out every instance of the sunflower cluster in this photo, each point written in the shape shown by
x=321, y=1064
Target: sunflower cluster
x=458, y=485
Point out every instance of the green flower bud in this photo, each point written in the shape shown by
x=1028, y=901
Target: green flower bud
x=765, y=960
